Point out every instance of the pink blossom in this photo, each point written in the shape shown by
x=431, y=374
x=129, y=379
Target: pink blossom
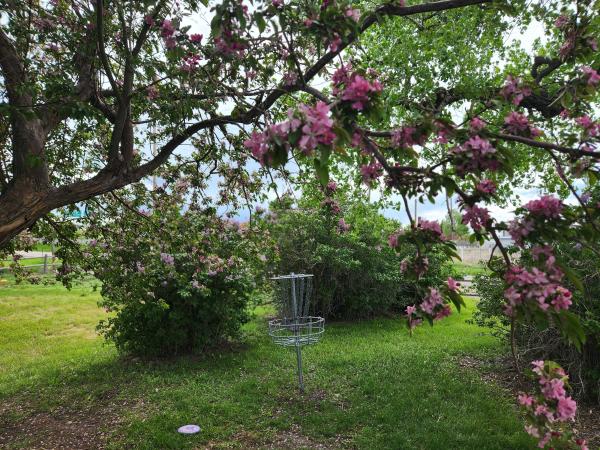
x=561, y=21
x=547, y=206
x=259, y=146
x=359, y=91
x=190, y=62
x=405, y=137
x=342, y=226
x=592, y=76
x=452, y=284
x=196, y=38
x=568, y=46
x=442, y=313
x=151, y=92
x=332, y=186
x=476, y=124
x=519, y=230
x=149, y=20
x=591, y=128
x=431, y=226
x=475, y=155
x=166, y=29
x=532, y=431
x=318, y=127
x=544, y=441
x=410, y=310
x=476, y=216
x=487, y=187
x=335, y=43
x=277, y=3
x=525, y=400
x=354, y=14
x=393, y=240
x=566, y=408
x=431, y=301
x=543, y=410
x=515, y=90
x=290, y=78
x=516, y=123
x=167, y=259
x=356, y=140
x=370, y=172
x=553, y=389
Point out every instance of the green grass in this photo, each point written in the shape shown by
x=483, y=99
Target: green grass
x=369, y=385
x=469, y=269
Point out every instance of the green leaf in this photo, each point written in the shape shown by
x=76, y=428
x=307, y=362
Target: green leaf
x=322, y=172
x=260, y=22
x=572, y=329
x=571, y=275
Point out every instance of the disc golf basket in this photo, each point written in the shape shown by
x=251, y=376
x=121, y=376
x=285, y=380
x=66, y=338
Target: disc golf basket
x=294, y=327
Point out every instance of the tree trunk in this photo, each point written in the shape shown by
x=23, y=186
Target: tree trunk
x=20, y=206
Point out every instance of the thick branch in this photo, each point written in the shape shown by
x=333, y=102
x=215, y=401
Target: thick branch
x=546, y=145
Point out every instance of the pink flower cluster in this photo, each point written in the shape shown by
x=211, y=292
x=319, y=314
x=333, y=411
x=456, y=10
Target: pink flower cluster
x=371, y=172
x=167, y=31
x=433, y=305
x=475, y=155
x=431, y=226
x=318, y=127
x=593, y=78
x=393, y=239
x=549, y=408
x=476, y=216
x=476, y=124
x=413, y=319
x=353, y=14
x=331, y=204
x=314, y=122
x=517, y=123
x=405, y=137
x=536, y=287
x=167, y=259
x=452, y=284
x=515, y=90
x=354, y=88
x=547, y=206
x=591, y=129
x=342, y=226
x=418, y=267
x=190, y=62
x=487, y=187
x=229, y=44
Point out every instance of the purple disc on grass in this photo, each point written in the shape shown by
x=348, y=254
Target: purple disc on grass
x=189, y=429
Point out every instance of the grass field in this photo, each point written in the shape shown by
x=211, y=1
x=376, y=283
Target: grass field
x=369, y=385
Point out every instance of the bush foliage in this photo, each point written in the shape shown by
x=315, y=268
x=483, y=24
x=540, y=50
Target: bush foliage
x=345, y=245
x=175, y=281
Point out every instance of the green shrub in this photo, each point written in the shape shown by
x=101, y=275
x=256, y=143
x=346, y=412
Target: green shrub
x=176, y=282
x=357, y=274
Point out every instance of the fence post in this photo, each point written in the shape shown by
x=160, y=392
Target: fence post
x=45, y=270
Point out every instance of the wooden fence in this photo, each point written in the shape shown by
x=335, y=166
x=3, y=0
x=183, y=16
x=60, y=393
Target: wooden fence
x=46, y=264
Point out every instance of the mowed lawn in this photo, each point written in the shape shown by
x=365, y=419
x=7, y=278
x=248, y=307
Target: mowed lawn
x=369, y=385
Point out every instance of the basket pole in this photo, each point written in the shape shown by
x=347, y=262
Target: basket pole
x=296, y=336
x=299, y=361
